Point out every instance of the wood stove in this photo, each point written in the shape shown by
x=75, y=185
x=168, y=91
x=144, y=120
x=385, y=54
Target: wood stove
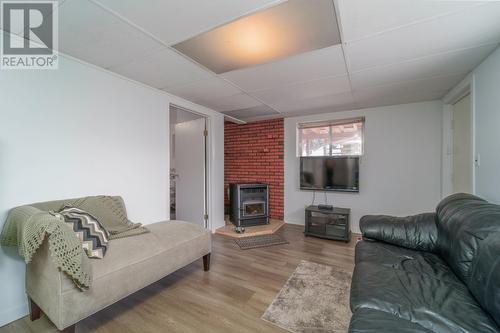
x=249, y=205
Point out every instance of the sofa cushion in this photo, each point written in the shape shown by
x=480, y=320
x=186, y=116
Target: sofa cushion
x=417, y=232
x=173, y=233
x=424, y=299
x=405, y=259
x=367, y=320
x=485, y=275
x=469, y=238
x=464, y=221
x=124, y=252
x=121, y=253
x=133, y=263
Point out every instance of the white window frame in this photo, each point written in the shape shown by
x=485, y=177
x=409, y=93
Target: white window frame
x=330, y=123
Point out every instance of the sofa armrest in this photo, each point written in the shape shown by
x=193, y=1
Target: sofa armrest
x=44, y=284
x=418, y=232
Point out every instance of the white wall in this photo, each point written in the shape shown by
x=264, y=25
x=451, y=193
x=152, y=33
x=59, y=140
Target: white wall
x=486, y=109
x=447, y=152
x=400, y=172
x=78, y=131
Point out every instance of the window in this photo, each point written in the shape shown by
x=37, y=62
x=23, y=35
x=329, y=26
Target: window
x=331, y=138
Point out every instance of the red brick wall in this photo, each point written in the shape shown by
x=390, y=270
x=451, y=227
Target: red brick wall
x=254, y=153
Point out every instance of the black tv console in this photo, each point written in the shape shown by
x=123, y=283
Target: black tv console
x=326, y=223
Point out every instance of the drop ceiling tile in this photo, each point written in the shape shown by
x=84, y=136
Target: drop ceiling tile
x=175, y=21
x=91, y=34
x=437, y=65
x=361, y=18
x=163, y=69
x=371, y=99
x=407, y=92
x=279, y=32
x=333, y=102
x=477, y=26
x=304, y=90
x=234, y=102
x=303, y=67
x=327, y=109
x=204, y=90
x=256, y=111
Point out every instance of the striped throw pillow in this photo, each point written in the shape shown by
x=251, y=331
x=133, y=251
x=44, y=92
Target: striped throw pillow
x=88, y=229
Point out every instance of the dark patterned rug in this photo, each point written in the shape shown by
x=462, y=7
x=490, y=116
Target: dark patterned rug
x=314, y=299
x=253, y=242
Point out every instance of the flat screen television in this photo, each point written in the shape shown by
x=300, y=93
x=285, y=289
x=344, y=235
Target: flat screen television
x=329, y=173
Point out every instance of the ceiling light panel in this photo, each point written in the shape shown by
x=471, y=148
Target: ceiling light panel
x=293, y=27
x=173, y=21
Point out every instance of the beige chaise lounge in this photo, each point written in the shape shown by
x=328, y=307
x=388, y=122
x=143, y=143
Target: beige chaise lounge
x=130, y=264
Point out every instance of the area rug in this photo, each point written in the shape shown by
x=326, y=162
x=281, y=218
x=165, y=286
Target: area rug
x=253, y=242
x=314, y=299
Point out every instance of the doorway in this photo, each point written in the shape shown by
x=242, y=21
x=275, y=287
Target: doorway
x=188, y=166
x=463, y=159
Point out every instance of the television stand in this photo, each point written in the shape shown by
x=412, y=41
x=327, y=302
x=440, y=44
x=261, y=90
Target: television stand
x=330, y=224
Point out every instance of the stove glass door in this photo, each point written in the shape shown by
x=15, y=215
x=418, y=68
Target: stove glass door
x=254, y=208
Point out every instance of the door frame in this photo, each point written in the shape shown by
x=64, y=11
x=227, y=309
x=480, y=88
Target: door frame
x=464, y=88
x=206, y=166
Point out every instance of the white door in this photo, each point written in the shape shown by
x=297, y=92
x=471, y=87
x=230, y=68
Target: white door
x=190, y=168
x=463, y=160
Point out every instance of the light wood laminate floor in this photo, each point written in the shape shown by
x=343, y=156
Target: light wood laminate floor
x=231, y=297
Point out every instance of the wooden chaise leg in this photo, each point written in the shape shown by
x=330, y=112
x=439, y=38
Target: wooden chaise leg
x=206, y=262
x=69, y=329
x=35, y=311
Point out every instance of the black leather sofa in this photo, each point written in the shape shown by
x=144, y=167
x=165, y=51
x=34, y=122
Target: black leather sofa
x=433, y=273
